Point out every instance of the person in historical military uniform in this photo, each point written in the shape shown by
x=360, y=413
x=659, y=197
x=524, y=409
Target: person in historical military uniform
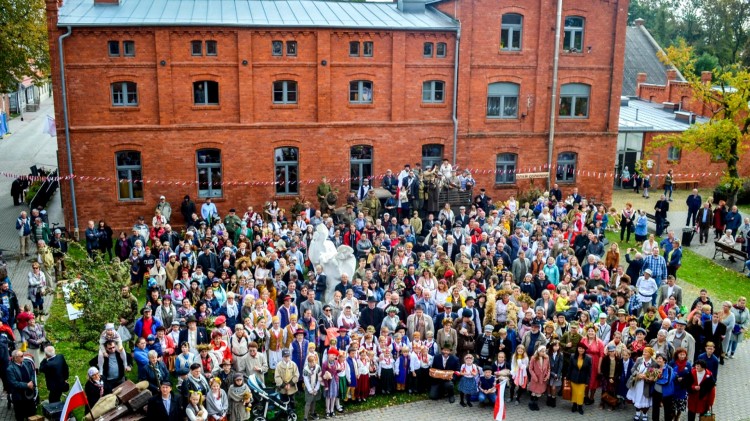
x=324, y=188
x=372, y=203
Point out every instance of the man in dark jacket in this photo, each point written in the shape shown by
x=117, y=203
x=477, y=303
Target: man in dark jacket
x=193, y=335
x=187, y=209
x=634, y=265
x=23, y=386
x=693, y=202
x=113, y=368
x=715, y=331
x=444, y=361
x=56, y=372
x=8, y=299
x=371, y=315
x=165, y=406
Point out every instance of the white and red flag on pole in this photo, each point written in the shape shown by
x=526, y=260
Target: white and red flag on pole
x=500, y=401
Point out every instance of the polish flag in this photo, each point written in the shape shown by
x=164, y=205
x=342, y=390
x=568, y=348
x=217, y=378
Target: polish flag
x=500, y=402
x=76, y=399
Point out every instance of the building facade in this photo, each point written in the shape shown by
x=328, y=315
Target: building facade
x=259, y=101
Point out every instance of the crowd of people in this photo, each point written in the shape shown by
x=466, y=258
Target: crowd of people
x=528, y=295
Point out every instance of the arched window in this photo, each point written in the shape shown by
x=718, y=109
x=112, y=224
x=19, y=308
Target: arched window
x=285, y=92
x=574, y=100
x=505, y=167
x=286, y=162
x=124, y=94
x=573, y=39
x=502, y=100
x=433, y=91
x=206, y=92
x=432, y=155
x=511, y=30
x=360, y=164
x=566, y=167
x=128, y=168
x=208, y=162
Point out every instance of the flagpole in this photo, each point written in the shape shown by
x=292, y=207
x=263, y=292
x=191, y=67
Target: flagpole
x=86, y=399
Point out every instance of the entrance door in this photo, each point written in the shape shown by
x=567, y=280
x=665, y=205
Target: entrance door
x=625, y=159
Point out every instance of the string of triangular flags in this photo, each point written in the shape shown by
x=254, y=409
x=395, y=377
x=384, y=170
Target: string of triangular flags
x=537, y=172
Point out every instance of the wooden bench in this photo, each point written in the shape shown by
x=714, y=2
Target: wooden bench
x=652, y=218
x=688, y=184
x=731, y=251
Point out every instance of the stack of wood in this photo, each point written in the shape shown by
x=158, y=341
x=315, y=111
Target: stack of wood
x=127, y=402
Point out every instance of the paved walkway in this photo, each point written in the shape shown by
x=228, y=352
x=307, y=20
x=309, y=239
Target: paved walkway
x=26, y=146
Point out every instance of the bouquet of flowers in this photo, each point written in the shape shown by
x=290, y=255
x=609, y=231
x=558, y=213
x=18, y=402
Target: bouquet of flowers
x=653, y=373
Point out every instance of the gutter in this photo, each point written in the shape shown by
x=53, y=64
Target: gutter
x=67, y=127
x=553, y=101
x=455, y=93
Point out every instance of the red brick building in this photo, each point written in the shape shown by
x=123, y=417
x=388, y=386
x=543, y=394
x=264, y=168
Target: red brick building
x=225, y=98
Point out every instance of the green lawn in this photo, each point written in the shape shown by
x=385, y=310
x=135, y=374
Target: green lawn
x=699, y=272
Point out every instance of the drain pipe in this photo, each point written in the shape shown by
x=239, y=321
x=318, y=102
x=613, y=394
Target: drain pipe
x=67, y=127
x=553, y=104
x=455, y=94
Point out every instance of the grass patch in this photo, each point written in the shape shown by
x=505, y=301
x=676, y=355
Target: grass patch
x=701, y=272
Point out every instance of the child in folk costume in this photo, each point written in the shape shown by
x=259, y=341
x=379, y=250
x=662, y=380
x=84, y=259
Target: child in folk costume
x=343, y=373
x=291, y=330
x=286, y=376
x=416, y=340
x=331, y=381
x=414, y=367
x=240, y=398
x=467, y=385
x=372, y=368
x=627, y=367
x=363, y=376
x=260, y=335
x=399, y=341
x=423, y=373
x=518, y=367
x=351, y=375
x=386, y=366
x=343, y=340
x=384, y=347
x=275, y=342
x=403, y=368
x=313, y=380
x=430, y=344
x=368, y=340
x=299, y=349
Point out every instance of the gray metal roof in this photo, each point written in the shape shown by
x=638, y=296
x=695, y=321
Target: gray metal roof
x=644, y=116
x=641, y=57
x=251, y=13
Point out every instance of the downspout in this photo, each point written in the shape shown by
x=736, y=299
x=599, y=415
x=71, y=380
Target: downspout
x=455, y=94
x=612, y=61
x=67, y=127
x=553, y=105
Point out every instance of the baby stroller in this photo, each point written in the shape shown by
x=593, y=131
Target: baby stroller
x=268, y=403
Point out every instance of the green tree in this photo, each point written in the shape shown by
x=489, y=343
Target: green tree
x=706, y=63
x=98, y=294
x=24, y=50
x=725, y=136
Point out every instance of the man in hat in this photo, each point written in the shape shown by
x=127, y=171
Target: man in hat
x=371, y=315
x=679, y=338
x=487, y=346
x=447, y=313
x=603, y=330
x=146, y=325
x=466, y=329
x=193, y=335
x=232, y=223
x=419, y=322
x=299, y=349
x=322, y=192
x=257, y=363
x=534, y=338
x=286, y=311
x=287, y=376
x=647, y=289
x=239, y=347
x=371, y=203
x=447, y=362
x=569, y=343
x=165, y=406
x=226, y=374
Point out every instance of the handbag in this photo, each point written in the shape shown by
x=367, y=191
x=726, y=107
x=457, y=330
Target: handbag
x=609, y=399
x=737, y=329
x=567, y=391
x=708, y=416
x=124, y=333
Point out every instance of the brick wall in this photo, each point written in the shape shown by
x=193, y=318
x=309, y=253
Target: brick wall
x=167, y=128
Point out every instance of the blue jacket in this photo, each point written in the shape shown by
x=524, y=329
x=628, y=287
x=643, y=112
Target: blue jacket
x=694, y=202
x=641, y=227
x=666, y=381
x=733, y=221
x=680, y=390
x=676, y=258
x=712, y=364
x=138, y=329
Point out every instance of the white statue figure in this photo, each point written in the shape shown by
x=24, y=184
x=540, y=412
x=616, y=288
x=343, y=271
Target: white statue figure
x=334, y=261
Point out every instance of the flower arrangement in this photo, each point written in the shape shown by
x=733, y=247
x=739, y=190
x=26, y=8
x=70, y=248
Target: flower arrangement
x=653, y=373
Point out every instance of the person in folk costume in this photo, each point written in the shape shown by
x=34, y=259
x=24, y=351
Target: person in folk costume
x=351, y=374
x=238, y=347
x=518, y=370
x=313, y=380
x=240, y=398
x=639, y=392
x=275, y=342
x=260, y=335
x=486, y=346
x=261, y=310
x=347, y=319
x=611, y=372
x=467, y=384
x=362, y=391
x=368, y=340
x=372, y=368
x=286, y=310
x=290, y=331
x=424, y=362
x=330, y=378
x=298, y=349
x=386, y=370
x=402, y=368
x=219, y=347
x=208, y=360
x=286, y=376
x=194, y=410
x=343, y=340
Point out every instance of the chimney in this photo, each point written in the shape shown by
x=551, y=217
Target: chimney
x=641, y=78
x=706, y=77
x=108, y=2
x=671, y=74
x=639, y=22
x=411, y=6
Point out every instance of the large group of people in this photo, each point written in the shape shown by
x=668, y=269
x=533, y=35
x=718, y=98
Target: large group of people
x=526, y=295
